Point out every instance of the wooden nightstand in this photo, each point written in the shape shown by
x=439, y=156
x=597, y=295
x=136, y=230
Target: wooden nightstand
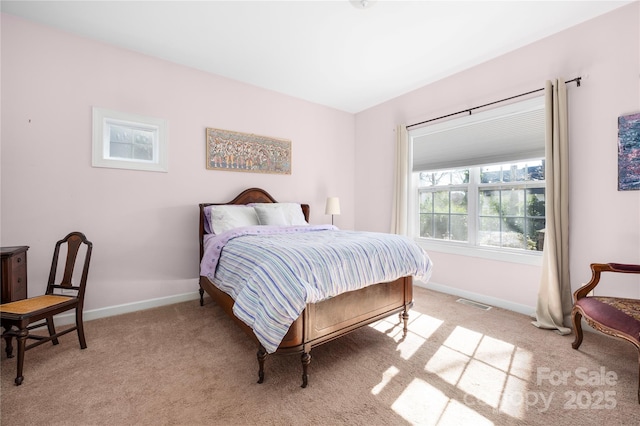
x=14, y=273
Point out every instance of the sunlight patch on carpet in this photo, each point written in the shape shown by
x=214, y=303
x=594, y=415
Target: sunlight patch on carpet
x=408, y=346
x=448, y=364
x=495, y=352
x=458, y=413
x=521, y=364
x=492, y=373
x=482, y=383
x=424, y=404
x=423, y=325
x=514, y=400
x=463, y=340
x=388, y=327
x=386, y=378
x=420, y=402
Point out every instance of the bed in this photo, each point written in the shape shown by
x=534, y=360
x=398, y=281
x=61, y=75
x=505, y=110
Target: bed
x=318, y=322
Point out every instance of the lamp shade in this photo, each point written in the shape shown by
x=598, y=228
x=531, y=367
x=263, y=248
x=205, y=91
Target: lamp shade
x=333, y=206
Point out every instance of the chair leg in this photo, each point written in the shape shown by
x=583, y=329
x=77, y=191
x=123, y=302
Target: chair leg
x=80, y=329
x=576, y=318
x=9, y=348
x=52, y=330
x=21, y=339
x=8, y=338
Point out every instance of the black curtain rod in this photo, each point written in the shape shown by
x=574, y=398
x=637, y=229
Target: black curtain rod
x=576, y=80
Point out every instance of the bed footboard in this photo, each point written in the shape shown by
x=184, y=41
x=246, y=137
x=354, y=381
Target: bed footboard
x=330, y=319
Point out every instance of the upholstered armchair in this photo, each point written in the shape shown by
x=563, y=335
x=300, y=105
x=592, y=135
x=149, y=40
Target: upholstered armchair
x=615, y=316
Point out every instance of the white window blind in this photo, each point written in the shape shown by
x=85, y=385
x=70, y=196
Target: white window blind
x=508, y=133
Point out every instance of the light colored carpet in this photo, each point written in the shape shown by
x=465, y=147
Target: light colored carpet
x=189, y=365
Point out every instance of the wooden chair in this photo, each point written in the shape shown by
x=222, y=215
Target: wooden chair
x=615, y=316
x=18, y=318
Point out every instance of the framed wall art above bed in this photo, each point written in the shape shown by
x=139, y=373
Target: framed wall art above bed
x=244, y=152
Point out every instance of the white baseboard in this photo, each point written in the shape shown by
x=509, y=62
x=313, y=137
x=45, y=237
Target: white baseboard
x=492, y=301
x=67, y=319
x=89, y=315
x=70, y=318
x=477, y=297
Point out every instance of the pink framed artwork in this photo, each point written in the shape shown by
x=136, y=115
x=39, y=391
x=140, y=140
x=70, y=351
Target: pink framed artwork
x=244, y=152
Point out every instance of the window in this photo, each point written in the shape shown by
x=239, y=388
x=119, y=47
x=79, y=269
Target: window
x=506, y=201
x=444, y=204
x=127, y=141
x=479, y=181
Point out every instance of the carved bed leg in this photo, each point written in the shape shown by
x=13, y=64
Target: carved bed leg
x=577, y=329
x=262, y=355
x=306, y=359
x=201, y=296
x=405, y=318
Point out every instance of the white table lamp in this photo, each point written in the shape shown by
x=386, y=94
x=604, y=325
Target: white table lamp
x=333, y=207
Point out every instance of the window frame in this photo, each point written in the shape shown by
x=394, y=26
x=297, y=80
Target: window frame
x=473, y=187
x=104, y=118
x=470, y=247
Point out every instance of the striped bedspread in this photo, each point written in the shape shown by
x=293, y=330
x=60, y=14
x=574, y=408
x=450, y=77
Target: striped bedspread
x=273, y=272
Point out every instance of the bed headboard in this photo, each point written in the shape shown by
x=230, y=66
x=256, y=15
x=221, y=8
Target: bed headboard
x=251, y=195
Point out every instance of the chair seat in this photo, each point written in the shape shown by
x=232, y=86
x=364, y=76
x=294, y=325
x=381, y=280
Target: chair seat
x=622, y=315
x=33, y=304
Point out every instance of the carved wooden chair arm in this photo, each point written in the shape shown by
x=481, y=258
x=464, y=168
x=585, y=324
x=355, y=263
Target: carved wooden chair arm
x=597, y=269
x=625, y=268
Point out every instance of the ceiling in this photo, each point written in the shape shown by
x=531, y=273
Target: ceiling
x=328, y=52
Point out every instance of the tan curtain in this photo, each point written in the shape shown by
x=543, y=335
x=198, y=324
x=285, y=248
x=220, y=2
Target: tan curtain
x=400, y=186
x=554, y=296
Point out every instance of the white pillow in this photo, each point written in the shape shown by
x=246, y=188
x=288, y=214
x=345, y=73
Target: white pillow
x=227, y=217
x=269, y=216
x=290, y=214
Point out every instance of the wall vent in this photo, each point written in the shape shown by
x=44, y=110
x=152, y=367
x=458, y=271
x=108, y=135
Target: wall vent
x=474, y=304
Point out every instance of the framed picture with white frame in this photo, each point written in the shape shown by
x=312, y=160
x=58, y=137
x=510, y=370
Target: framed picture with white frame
x=129, y=141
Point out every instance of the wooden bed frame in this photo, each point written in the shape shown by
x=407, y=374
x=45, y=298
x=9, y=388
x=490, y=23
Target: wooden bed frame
x=323, y=321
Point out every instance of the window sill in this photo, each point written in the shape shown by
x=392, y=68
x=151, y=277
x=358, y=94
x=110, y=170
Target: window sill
x=533, y=258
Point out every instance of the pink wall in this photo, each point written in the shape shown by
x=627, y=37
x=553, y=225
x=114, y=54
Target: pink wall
x=143, y=224
x=604, y=222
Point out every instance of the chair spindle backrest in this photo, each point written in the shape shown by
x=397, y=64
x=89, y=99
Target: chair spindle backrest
x=74, y=242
